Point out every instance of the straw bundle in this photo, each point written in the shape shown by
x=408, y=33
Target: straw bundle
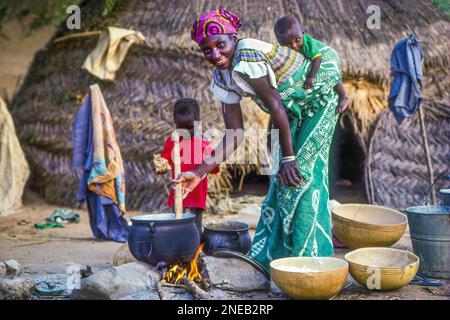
x=368, y=100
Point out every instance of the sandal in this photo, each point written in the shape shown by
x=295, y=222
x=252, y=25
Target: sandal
x=421, y=280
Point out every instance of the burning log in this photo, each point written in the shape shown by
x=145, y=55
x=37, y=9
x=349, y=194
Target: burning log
x=184, y=283
x=177, y=271
x=188, y=276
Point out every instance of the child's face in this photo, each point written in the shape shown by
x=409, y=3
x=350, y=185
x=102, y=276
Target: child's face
x=292, y=39
x=183, y=121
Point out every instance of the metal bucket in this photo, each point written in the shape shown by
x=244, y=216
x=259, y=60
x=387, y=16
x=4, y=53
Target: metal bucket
x=430, y=235
x=445, y=196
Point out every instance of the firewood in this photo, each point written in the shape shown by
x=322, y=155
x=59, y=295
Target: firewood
x=173, y=285
x=161, y=293
x=193, y=288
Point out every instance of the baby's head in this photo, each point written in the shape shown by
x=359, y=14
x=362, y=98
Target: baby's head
x=185, y=112
x=289, y=33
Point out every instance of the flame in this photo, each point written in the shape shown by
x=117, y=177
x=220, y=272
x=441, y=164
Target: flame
x=176, y=272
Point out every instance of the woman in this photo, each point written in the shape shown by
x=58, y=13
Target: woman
x=295, y=218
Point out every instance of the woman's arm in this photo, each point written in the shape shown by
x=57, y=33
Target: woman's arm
x=288, y=173
x=232, y=114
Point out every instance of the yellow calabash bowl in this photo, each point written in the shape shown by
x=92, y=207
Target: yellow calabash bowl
x=382, y=269
x=363, y=225
x=325, y=282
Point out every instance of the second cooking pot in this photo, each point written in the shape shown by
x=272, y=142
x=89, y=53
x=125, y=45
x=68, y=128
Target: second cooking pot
x=226, y=235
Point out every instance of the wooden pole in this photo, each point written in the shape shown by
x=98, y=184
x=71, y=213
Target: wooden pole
x=427, y=156
x=177, y=171
x=77, y=35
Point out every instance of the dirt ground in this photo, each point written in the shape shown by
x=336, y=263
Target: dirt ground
x=51, y=251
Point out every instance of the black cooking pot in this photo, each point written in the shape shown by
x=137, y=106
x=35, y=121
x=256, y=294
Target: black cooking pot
x=161, y=238
x=226, y=235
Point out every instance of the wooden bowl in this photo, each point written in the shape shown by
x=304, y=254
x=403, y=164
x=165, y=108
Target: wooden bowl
x=310, y=278
x=382, y=269
x=363, y=225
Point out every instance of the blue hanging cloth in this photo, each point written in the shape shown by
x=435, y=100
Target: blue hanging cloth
x=105, y=212
x=406, y=70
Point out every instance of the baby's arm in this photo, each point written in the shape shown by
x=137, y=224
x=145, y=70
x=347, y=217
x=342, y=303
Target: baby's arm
x=340, y=90
x=315, y=65
x=343, y=98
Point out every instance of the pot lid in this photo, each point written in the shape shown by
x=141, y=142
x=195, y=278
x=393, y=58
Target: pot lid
x=234, y=254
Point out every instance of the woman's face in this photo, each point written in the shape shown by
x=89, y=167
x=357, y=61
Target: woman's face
x=219, y=49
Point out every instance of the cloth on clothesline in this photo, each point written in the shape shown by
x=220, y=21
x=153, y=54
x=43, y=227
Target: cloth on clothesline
x=102, y=183
x=406, y=70
x=112, y=48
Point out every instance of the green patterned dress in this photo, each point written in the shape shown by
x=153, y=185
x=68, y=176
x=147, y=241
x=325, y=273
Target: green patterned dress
x=295, y=221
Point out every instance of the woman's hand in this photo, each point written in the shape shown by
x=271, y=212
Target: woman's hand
x=309, y=83
x=189, y=181
x=289, y=174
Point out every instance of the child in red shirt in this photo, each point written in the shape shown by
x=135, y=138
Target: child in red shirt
x=193, y=151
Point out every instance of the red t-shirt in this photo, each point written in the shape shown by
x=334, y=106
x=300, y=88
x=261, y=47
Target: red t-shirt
x=192, y=153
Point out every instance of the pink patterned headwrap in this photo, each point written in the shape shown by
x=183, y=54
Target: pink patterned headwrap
x=220, y=21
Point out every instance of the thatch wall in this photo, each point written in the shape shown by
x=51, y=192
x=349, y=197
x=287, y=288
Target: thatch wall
x=170, y=66
x=396, y=171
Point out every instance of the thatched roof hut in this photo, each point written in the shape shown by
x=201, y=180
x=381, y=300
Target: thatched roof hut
x=169, y=66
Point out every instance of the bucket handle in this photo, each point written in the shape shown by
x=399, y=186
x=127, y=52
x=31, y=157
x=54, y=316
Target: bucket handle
x=428, y=195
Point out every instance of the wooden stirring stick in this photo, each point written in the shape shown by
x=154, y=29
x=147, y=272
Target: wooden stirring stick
x=177, y=168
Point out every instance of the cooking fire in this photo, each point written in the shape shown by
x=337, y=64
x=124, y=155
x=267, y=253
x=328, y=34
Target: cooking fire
x=191, y=272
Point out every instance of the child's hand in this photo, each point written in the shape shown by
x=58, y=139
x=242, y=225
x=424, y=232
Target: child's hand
x=309, y=83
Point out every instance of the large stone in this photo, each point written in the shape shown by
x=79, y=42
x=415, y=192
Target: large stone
x=13, y=268
x=235, y=275
x=149, y=294
x=16, y=288
x=169, y=293
x=116, y=282
x=217, y=294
